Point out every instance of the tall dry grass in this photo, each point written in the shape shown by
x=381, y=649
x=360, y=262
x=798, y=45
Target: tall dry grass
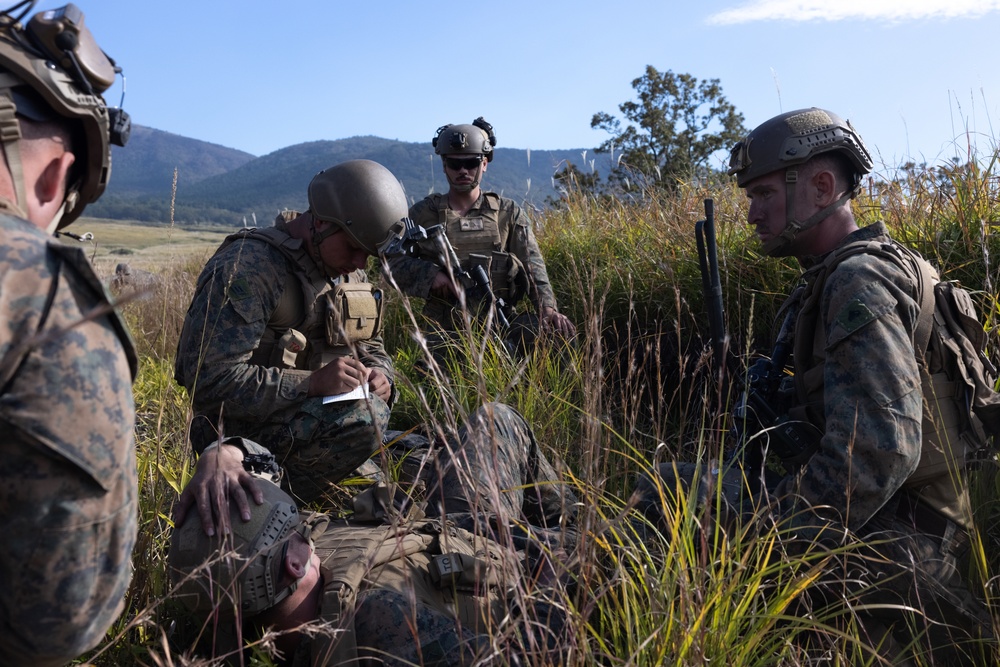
x=636, y=389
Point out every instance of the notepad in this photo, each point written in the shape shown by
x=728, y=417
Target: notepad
x=360, y=392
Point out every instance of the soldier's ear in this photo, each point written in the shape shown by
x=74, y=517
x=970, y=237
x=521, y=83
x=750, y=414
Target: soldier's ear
x=297, y=558
x=825, y=183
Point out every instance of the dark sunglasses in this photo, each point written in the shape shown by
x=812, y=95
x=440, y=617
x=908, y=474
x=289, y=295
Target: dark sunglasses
x=456, y=163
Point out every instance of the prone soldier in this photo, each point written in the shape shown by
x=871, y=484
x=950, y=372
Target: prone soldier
x=392, y=587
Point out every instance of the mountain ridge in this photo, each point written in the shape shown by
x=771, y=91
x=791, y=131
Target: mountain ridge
x=221, y=185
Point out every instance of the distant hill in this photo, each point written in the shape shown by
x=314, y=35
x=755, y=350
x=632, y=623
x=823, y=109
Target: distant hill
x=223, y=186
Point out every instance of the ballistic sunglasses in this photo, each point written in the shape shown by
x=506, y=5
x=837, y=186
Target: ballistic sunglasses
x=456, y=163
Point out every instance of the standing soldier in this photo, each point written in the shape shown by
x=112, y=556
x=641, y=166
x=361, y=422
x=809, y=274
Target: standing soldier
x=284, y=318
x=485, y=229
x=68, y=470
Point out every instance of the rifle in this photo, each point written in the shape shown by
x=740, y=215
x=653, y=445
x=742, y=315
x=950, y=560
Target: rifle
x=408, y=239
x=759, y=423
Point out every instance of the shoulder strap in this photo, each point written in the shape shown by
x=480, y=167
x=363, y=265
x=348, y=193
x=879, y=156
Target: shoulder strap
x=924, y=275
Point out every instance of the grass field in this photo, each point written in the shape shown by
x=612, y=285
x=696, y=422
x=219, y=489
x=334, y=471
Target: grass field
x=144, y=246
x=635, y=391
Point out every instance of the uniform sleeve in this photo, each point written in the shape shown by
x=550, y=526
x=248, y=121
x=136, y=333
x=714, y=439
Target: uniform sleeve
x=872, y=398
x=412, y=276
x=68, y=497
x=522, y=244
x=235, y=296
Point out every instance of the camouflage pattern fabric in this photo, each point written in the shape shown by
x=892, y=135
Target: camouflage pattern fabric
x=392, y=631
x=497, y=468
x=498, y=457
x=415, y=276
x=317, y=444
x=869, y=410
x=68, y=506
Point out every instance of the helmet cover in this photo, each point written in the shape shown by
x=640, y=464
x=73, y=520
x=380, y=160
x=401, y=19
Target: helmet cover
x=475, y=139
x=793, y=138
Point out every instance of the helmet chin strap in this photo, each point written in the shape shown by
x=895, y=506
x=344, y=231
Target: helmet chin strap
x=316, y=239
x=779, y=246
x=10, y=136
x=54, y=224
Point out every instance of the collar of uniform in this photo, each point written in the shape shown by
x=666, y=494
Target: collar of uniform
x=873, y=232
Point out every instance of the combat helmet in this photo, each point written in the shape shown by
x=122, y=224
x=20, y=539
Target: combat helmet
x=52, y=70
x=361, y=197
x=475, y=139
x=240, y=570
x=789, y=140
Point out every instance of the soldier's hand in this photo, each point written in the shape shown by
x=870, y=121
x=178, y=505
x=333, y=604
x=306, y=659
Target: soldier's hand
x=443, y=286
x=219, y=479
x=337, y=377
x=553, y=320
x=379, y=384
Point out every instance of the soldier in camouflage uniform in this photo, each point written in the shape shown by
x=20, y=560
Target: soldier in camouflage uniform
x=404, y=613
x=852, y=325
x=484, y=228
x=284, y=317
x=68, y=470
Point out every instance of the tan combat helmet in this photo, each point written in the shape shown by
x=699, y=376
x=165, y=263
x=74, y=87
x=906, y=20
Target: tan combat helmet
x=789, y=140
x=475, y=139
x=361, y=197
x=53, y=70
x=240, y=571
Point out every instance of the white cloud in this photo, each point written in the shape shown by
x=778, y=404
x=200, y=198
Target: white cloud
x=824, y=10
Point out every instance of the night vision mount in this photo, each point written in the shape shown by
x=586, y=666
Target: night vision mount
x=60, y=36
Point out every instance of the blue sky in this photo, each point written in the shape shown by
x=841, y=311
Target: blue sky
x=918, y=78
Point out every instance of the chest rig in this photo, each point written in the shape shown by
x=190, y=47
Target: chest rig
x=316, y=319
x=443, y=567
x=479, y=240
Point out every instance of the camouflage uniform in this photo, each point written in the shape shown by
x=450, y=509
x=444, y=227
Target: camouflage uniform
x=497, y=456
x=220, y=362
x=862, y=389
x=68, y=506
x=514, y=238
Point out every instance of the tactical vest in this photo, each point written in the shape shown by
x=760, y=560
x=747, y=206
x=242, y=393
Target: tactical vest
x=480, y=240
x=439, y=565
x=316, y=319
x=951, y=429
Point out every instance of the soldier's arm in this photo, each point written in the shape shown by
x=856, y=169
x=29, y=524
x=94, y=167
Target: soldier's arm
x=236, y=294
x=873, y=399
x=412, y=276
x=524, y=246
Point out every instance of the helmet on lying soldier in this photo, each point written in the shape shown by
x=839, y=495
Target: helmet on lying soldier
x=240, y=571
